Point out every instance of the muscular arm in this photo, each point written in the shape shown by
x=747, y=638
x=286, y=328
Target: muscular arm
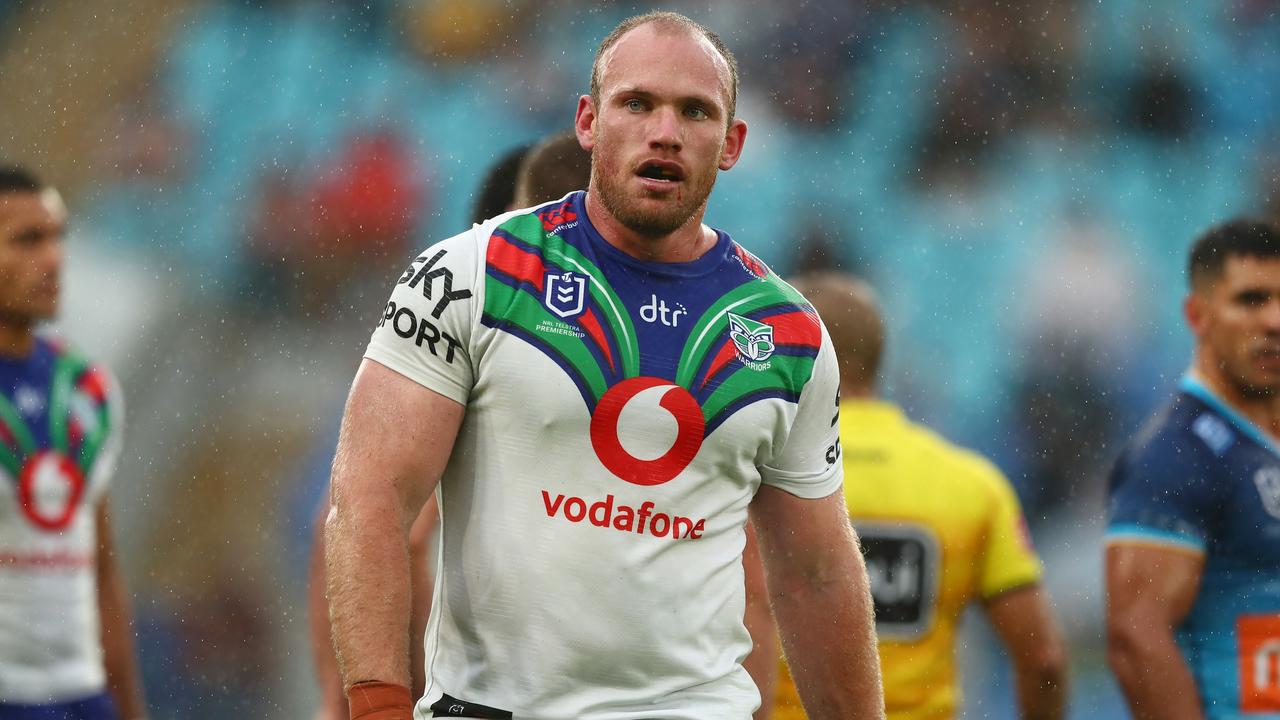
x=395, y=442
x=333, y=701
x=1026, y=627
x=118, y=655
x=821, y=599
x=1149, y=592
x=762, y=663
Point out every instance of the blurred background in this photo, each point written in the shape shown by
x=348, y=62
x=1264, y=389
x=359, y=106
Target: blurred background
x=1020, y=180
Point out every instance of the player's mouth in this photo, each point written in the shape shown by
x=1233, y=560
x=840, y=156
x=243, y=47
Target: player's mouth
x=660, y=174
x=1268, y=357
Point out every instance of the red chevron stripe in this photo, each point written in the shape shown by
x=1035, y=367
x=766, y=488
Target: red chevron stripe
x=726, y=355
x=591, y=324
x=516, y=262
x=797, y=329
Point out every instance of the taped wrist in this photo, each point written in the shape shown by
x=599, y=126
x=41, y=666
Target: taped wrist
x=377, y=700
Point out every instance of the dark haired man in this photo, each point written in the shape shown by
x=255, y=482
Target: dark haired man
x=1193, y=540
x=66, y=642
x=599, y=390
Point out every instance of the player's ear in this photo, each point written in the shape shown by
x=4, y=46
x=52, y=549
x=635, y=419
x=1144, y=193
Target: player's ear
x=733, y=141
x=1194, y=311
x=584, y=122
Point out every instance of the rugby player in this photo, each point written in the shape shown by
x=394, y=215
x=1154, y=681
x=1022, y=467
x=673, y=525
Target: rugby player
x=599, y=390
x=66, y=639
x=1192, y=551
x=941, y=529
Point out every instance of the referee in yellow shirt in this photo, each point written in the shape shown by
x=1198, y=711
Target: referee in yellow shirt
x=940, y=527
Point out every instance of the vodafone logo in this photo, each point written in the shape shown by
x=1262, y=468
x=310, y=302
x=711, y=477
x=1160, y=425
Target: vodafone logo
x=49, y=490
x=607, y=420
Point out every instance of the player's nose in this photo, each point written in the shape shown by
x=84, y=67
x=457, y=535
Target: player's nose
x=664, y=129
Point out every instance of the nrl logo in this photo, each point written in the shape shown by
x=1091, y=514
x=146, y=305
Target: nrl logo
x=566, y=294
x=754, y=340
x=1268, y=481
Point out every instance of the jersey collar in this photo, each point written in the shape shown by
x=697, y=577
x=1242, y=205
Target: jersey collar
x=1196, y=388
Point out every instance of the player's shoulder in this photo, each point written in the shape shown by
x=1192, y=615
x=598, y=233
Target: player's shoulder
x=764, y=279
x=84, y=372
x=1180, y=434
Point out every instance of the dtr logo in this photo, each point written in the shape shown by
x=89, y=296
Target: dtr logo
x=658, y=311
x=608, y=446
x=566, y=294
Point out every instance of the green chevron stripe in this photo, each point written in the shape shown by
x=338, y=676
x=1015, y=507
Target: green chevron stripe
x=10, y=462
x=10, y=416
x=526, y=311
x=65, y=370
x=785, y=372
x=93, y=443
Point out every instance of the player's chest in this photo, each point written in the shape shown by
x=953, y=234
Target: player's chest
x=49, y=436
x=1250, y=517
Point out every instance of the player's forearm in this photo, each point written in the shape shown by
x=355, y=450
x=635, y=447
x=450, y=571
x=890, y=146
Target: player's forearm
x=119, y=655
x=333, y=702
x=1042, y=691
x=828, y=631
x=367, y=563
x=1153, y=674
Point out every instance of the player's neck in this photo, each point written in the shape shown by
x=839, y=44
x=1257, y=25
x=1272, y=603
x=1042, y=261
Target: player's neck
x=688, y=242
x=1263, y=412
x=17, y=339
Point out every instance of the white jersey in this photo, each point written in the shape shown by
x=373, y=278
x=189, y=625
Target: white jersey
x=59, y=439
x=621, y=416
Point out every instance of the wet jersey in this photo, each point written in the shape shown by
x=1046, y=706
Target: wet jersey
x=59, y=437
x=1202, y=479
x=621, y=415
x=940, y=528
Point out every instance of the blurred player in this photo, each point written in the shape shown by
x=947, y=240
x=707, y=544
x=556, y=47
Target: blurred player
x=1193, y=538
x=66, y=641
x=600, y=390
x=940, y=529
x=534, y=173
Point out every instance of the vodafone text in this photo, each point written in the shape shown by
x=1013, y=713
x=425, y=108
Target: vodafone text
x=624, y=518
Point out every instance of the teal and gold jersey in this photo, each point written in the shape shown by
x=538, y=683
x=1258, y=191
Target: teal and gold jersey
x=621, y=415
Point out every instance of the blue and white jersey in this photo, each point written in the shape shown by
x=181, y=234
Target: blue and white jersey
x=1201, y=478
x=59, y=439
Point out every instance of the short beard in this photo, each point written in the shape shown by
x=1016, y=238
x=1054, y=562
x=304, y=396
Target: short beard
x=646, y=224
x=1255, y=392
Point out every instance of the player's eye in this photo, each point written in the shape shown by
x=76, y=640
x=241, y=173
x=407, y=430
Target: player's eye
x=1252, y=298
x=697, y=113
x=634, y=105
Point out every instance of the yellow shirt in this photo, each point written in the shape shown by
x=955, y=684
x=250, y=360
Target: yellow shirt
x=940, y=527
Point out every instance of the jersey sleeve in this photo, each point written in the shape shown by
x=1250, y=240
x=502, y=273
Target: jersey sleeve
x=808, y=465
x=426, y=327
x=1160, y=496
x=1009, y=560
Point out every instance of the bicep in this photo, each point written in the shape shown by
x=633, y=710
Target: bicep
x=397, y=435
x=1154, y=586
x=800, y=535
